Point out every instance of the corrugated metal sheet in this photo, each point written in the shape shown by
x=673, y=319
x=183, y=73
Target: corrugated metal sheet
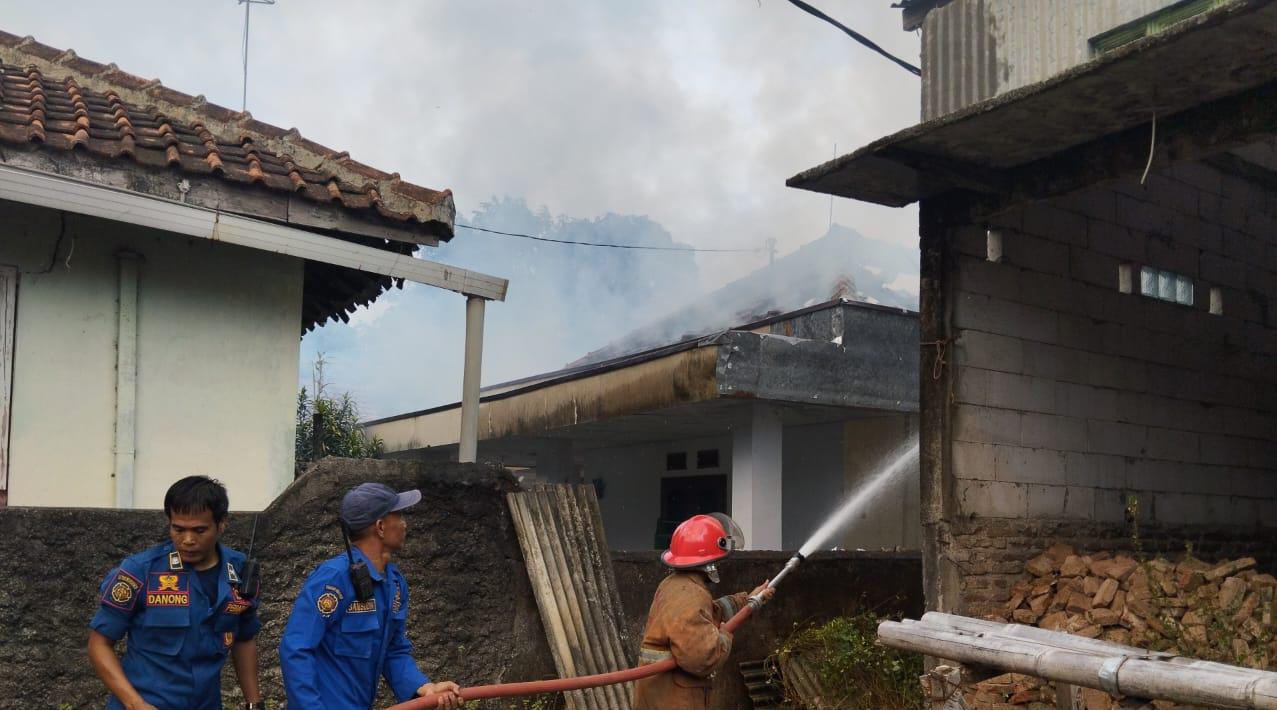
x=802, y=683
x=976, y=49
x=561, y=534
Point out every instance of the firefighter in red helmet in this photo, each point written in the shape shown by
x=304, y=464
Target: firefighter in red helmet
x=684, y=619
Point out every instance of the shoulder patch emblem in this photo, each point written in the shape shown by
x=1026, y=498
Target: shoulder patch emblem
x=238, y=604
x=397, y=604
x=121, y=593
x=326, y=603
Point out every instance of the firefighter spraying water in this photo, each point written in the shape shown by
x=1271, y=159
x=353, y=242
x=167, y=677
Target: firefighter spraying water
x=688, y=633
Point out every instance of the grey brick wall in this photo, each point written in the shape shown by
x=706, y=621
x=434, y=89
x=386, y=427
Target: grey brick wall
x=1069, y=396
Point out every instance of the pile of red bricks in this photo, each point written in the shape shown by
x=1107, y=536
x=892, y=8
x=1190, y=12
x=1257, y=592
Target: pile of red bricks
x=1220, y=612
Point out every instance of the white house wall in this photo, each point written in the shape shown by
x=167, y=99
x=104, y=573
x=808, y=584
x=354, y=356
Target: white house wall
x=632, y=476
x=218, y=346
x=822, y=464
x=814, y=479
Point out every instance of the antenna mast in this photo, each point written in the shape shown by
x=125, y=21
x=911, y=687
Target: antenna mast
x=248, y=5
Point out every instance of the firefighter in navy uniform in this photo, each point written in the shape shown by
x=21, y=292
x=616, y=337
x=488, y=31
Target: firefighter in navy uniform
x=683, y=622
x=337, y=646
x=182, y=607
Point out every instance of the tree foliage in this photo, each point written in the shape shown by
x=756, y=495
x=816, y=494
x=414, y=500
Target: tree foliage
x=337, y=418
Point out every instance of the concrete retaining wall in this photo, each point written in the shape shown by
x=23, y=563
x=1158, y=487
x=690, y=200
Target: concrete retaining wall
x=473, y=615
x=473, y=618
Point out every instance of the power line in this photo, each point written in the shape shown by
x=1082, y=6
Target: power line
x=600, y=244
x=857, y=36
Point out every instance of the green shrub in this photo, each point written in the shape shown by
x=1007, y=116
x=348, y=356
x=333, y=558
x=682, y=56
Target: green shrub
x=854, y=670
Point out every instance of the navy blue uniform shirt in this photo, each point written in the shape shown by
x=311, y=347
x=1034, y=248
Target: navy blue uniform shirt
x=335, y=647
x=178, y=638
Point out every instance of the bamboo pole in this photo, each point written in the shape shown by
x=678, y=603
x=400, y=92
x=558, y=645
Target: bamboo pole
x=1142, y=676
x=1069, y=642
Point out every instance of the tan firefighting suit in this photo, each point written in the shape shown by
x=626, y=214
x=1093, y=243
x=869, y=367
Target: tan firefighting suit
x=683, y=622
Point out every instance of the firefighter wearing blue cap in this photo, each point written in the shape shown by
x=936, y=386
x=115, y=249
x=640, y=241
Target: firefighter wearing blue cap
x=183, y=609
x=347, y=627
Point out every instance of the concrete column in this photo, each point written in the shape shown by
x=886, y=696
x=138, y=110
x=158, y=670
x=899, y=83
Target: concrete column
x=468, y=451
x=756, y=477
x=126, y=380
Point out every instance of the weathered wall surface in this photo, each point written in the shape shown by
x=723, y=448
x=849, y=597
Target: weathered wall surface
x=1070, y=398
x=976, y=49
x=217, y=357
x=473, y=618
x=825, y=586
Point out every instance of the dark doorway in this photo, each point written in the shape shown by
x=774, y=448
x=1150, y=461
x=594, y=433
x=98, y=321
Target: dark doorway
x=685, y=496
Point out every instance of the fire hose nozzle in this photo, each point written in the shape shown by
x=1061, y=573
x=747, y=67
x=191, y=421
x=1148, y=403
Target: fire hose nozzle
x=756, y=601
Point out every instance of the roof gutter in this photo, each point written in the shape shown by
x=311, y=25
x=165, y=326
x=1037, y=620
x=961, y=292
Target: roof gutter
x=63, y=193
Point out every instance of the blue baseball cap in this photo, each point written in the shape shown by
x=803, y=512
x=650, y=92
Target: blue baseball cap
x=367, y=503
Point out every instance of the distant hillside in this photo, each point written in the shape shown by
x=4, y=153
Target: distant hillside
x=841, y=264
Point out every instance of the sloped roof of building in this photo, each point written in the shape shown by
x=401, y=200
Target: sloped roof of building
x=94, y=118
x=842, y=264
x=64, y=102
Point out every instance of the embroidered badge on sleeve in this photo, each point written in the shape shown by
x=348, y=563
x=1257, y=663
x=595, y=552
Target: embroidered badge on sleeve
x=326, y=603
x=121, y=593
x=237, y=604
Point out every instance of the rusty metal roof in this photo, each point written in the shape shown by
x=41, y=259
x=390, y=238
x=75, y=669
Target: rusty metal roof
x=59, y=101
x=1215, y=55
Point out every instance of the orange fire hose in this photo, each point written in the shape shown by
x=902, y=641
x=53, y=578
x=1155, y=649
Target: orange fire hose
x=559, y=685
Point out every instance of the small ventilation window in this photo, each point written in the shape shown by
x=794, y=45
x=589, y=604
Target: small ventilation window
x=707, y=458
x=1216, y=301
x=1126, y=278
x=676, y=461
x=1166, y=286
x=993, y=245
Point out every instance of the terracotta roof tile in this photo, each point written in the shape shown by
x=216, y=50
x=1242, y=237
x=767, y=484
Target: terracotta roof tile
x=65, y=102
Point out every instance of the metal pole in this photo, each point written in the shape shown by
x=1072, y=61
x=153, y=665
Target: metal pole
x=468, y=449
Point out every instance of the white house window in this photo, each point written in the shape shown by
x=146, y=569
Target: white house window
x=1216, y=301
x=1166, y=286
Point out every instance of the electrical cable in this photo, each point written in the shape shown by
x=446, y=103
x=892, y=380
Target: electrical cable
x=601, y=244
x=856, y=36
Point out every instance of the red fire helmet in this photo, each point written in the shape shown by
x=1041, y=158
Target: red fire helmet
x=701, y=540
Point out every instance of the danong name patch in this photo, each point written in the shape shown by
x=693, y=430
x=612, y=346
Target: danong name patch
x=168, y=589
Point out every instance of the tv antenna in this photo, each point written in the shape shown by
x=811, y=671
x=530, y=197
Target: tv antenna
x=248, y=6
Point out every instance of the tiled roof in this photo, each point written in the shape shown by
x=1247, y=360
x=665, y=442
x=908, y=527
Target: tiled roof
x=62, y=102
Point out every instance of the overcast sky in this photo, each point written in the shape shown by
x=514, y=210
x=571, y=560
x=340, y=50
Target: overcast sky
x=690, y=113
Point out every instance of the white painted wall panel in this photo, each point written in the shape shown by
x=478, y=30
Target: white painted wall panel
x=218, y=345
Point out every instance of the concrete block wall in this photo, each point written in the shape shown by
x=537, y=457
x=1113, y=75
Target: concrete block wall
x=1071, y=398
